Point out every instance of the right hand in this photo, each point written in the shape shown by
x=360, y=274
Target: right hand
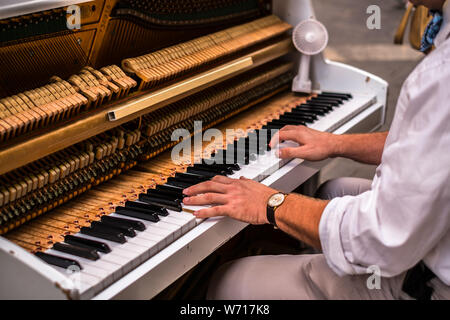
x=313, y=145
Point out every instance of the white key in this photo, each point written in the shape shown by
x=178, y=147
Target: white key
x=126, y=261
x=174, y=229
x=87, y=284
x=183, y=227
x=107, y=271
x=187, y=219
x=151, y=246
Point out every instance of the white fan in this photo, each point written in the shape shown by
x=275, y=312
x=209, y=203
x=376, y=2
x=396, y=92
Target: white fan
x=310, y=37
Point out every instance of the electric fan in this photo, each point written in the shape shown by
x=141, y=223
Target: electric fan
x=310, y=37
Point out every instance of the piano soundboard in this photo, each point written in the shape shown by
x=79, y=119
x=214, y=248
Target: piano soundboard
x=90, y=192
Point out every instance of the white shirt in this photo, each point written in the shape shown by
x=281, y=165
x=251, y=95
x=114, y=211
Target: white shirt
x=405, y=217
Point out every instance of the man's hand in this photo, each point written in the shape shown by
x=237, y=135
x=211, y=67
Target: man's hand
x=242, y=199
x=313, y=145
x=317, y=145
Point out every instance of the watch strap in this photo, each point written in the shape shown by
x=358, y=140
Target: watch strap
x=271, y=215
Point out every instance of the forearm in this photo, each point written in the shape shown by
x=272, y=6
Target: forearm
x=365, y=147
x=299, y=216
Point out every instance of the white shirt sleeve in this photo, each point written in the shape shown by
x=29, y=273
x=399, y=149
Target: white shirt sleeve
x=407, y=211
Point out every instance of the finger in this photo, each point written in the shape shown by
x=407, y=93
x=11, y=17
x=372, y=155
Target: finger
x=286, y=133
x=286, y=153
x=289, y=127
x=275, y=140
x=204, y=187
x=213, y=212
x=222, y=179
x=206, y=199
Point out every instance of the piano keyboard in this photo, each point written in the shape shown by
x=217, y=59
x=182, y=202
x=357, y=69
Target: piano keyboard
x=154, y=217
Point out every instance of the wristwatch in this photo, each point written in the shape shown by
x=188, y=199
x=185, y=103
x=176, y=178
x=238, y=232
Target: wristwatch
x=273, y=203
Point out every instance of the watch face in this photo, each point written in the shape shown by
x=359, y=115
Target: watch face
x=276, y=199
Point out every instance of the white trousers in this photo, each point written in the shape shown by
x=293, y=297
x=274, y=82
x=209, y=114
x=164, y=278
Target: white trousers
x=298, y=277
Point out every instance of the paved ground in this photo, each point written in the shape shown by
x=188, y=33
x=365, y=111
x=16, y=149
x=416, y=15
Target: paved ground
x=353, y=43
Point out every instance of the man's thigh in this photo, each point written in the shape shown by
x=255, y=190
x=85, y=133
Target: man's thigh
x=291, y=277
x=345, y=186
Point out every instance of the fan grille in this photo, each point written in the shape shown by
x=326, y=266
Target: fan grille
x=310, y=37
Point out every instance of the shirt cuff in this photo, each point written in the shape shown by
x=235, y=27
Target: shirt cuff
x=331, y=238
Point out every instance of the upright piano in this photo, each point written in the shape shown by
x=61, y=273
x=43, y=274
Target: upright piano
x=94, y=98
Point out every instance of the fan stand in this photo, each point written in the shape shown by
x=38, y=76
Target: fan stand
x=301, y=82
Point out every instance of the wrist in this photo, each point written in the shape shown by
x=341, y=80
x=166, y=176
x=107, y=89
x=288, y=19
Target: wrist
x=337, y=145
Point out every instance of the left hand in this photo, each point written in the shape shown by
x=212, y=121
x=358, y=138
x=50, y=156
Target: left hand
x=242, y=199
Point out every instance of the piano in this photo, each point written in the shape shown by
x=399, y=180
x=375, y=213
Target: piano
x=90, y=191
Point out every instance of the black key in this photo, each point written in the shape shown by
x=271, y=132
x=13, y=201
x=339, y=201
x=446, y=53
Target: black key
x=201, y=172
x=331, y=98
x=82, y=252
x=136, y=225
x=121, y=209
x=332, y=101
x=303, y=112
x=345, y=96
x=172, y=205
x=175, y=182
x=125, y=229
x=87, y=243
x=152, y=217
x=129, y=232
x=58, y=261
x=286, y=122
x=316, y=111
x=166, y=193
x=171, y=188
x=190, y=177
x=149, y=207
x=156, y=197
x=271, y=127
x=104, y=234
x=231, y=166
x=299, y=117
x=223, y=167
x=317, y=105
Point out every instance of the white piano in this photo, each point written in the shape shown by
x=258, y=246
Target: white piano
x=156, y=258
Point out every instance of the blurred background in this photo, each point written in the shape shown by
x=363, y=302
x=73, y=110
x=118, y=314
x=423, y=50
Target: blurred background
x=351, y=42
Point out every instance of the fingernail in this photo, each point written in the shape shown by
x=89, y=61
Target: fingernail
x=278, y=153
x=186, y=200
x=186, y=191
